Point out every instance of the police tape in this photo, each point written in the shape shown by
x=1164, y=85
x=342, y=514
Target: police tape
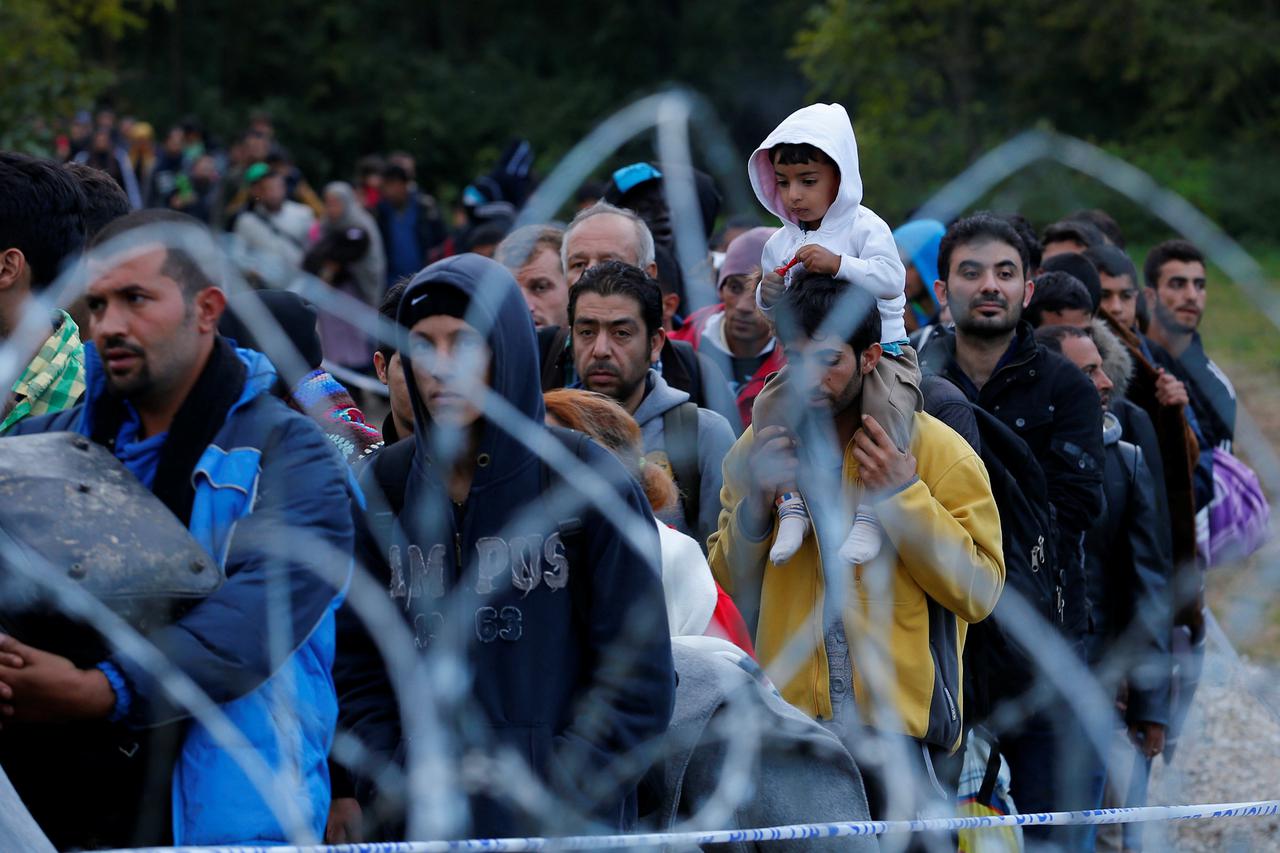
x=1144, y=814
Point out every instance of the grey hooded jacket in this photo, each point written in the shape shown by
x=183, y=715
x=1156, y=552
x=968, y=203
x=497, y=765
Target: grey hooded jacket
x=715, y=437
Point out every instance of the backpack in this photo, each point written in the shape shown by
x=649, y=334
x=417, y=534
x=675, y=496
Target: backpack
x=552, y=343
x=680, y=435
x=996, y=666
x=1239, y=513
x=683, y=371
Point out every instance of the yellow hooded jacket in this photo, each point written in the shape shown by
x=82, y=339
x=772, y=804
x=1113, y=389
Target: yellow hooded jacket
x=907, y=611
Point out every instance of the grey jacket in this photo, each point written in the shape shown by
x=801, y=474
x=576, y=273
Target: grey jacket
x=715, y=437
x=796, y=772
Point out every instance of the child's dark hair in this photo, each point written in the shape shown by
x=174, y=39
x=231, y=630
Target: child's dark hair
x=795, y=153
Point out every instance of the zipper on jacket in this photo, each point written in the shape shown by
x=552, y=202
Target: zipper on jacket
x=457, y=535
x=951, y=703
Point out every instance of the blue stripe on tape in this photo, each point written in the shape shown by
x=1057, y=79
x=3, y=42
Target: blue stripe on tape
x=1145, y=814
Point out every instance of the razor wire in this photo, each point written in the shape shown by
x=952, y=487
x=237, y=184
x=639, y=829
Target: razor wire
x=433, y=686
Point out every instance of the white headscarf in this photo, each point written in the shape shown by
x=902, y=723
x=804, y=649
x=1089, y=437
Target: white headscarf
x=371, y=270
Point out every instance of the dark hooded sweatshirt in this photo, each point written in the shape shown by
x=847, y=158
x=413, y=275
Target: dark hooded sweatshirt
x=564, y=633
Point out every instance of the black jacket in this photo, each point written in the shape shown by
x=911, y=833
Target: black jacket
x=1055, y=409
x=1127, y=568
x=565, y=644
x=1137, y=429
x=1213, y=398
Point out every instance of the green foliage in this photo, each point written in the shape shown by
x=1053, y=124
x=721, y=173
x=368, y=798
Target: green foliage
x=453, y=82
x=43, y=68
x=1188, y=91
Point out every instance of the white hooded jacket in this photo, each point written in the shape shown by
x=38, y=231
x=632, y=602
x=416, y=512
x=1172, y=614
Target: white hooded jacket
x=868, y=255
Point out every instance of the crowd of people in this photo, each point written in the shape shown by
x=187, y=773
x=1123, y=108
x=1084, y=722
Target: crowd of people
x=905, y=511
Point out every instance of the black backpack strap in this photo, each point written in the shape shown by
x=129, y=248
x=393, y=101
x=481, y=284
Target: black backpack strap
x=988, y=787
x=680, y=435
x=686, y=373
x=275, y=229
x=391, y=472
x=552, y=351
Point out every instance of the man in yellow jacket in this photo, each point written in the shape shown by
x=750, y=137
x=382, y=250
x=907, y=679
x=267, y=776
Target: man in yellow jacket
x=876, y=645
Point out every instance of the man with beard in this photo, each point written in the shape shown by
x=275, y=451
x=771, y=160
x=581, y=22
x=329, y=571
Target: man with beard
x=842, y=642
x=104, y=756
x=1176, y=291
x=601, y=233
x=994, y=358
x=615, y=314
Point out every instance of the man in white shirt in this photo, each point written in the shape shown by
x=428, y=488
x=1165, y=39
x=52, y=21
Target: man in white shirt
x=274, y=229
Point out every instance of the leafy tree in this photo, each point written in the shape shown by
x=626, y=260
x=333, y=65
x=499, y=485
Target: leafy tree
x=43, y=65
x=1189, y=91
x=453, y=82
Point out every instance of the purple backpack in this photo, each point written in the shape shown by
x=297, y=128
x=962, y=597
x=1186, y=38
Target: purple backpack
x=1239, y=513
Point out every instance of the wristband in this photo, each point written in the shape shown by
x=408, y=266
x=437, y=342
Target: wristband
x=120, y=687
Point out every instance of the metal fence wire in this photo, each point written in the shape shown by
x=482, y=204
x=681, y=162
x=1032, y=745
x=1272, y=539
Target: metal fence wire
x=448, y=752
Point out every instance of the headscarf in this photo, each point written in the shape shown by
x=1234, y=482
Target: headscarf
x=919, y=241
x=743, y=254
x=371, y=270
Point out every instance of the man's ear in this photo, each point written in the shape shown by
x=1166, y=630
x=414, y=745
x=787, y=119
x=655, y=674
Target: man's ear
x=209, y=305
x=1030, y=290
x=13, y=269
x=380, y=366
x=652, y=270
x=655, y=345
x=870, y=358
x=670, y=302
x=940, y=292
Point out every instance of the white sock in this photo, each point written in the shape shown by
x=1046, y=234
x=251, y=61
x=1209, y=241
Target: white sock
x=864, y=540
x=793, y=527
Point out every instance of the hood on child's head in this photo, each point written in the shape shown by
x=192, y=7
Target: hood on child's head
x=826, y=127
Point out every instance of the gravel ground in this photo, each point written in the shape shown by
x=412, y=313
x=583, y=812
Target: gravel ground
x=1230, y=752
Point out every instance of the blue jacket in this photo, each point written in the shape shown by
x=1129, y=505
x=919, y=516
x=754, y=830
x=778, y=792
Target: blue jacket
x=565, y=635
x=269, y=481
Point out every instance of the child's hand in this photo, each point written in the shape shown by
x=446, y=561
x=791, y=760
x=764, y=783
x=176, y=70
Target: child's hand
x=818, y=260
x=771, y=289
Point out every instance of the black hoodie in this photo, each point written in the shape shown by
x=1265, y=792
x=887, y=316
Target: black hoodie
x=566, y=641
